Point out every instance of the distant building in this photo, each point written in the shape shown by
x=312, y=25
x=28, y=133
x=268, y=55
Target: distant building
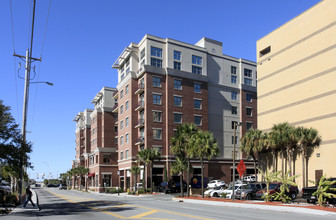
x=296, y=81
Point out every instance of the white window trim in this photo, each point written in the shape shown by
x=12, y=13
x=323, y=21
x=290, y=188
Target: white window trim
x=201, y=119
x=251, y=112
x=201, y=104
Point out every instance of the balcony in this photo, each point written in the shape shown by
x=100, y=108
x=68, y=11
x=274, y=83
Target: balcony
x=115, y=95
x=140, y=140
x=141, y=106
x=141, y=123
x=115, y=108
x=140, y=89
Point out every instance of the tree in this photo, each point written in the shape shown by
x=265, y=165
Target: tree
x=286, y=181
x=135, y=170
x=308, y=139
x=147, y=156
x=252, y=144
x=205, y=147
x=268, y=178
x=182, y=145
x=323, y=190
x=82, y=171
x=178, y=167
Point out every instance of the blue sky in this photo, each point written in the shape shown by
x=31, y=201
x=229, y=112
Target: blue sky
x=84, y=38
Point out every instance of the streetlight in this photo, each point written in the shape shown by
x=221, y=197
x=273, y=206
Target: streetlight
x=235, y=125
x=48, y=83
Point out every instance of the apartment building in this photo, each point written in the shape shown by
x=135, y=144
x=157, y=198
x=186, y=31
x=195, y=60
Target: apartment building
x=163, y=83
x=100, y=155
x=297, y=69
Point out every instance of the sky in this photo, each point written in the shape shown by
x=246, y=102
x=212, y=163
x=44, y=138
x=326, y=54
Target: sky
x=79, y=40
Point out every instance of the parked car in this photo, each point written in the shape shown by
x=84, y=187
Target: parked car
x=208, y=191
x=227, y=191
x=52, y=185
x=307, y=193
x=5, y=187
x=215, y=183
x=249, y=179
x=275, y=187
x=62, y=186
x=138, y=186
x=171, y=187
x=249, y=191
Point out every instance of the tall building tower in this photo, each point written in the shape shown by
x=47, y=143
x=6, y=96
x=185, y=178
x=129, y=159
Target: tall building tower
x=296, y=84
x=163, y=83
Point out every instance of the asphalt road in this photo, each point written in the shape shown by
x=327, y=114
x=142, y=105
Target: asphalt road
x=63, y=204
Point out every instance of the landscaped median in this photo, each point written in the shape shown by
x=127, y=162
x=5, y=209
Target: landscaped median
x=303, y=208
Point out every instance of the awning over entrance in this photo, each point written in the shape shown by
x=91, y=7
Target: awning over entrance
x=91, y=174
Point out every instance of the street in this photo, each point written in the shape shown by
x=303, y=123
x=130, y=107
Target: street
x=71, y=204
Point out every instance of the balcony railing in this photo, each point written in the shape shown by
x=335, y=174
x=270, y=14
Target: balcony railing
x=141, y=105
x=140, y=89
x=115, y=95
x=140, y=140
x=141, y=123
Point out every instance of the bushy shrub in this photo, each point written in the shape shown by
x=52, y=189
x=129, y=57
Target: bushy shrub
x=11, y=199
x=223, y=195
x=141, y=191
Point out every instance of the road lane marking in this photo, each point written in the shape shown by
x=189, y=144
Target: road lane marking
x=144, y=214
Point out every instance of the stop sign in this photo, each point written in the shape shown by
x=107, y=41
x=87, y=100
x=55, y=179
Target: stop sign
x=241, y=168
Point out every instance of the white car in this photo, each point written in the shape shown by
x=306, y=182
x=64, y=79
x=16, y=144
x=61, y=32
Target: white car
x=215, y=183
x=207, y=192
x=228, y=191
x=5, y=187
x=249, y=179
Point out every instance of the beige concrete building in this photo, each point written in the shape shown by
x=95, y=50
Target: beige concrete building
x=296, y=81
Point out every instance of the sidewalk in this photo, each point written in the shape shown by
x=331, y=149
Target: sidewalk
x=292, y=208
x=29, y=210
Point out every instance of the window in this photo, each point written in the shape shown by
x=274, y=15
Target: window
x=121, y=124
x=233, y=70
x=234, y=110
x=248, y=125
x=142, y=53
x=126, y=122
x=236, y=140
x=159, y=148
x=107, y=159
x=157, y=116
x=234, y=95
x=197, y=87
x=248, y=81
x=93, y=142
x=127, y=154
x=177, y=84
x=126, y=105
x=177, y=55
x=177, y=101
x=121, y=94
x=249, y=112
x=197, y=104
x=198, y=120
x=126, y=138
x=178, y=118
x=126, y=89
x=233, y=124
x=157, y=134
x=93, y=120
x=233, y=79
x=197, y=70
x=248, y=97
x=121, y=155
x=121, y=109
x=157, y=99
x=156, y=52
x=247, y=72
x=156, y=81
x=93, y=131
x=177, y=65
x=156, y=62
x=116, y=140
x=107, y=180
x=121, y=140
x=196, y=60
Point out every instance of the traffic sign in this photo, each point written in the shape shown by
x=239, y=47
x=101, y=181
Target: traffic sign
x=241, y=168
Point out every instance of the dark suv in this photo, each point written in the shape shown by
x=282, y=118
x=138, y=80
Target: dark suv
x=249, y=191
x=275, y=187
x=171, y=187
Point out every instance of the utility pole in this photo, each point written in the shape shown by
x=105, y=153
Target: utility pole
x=28, y=60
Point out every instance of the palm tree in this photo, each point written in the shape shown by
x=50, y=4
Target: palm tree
x=179, y=167
x=135, y=170
x=147, y=156
x=252, y=144
x=182, y=145
x=308, y=139
x=82, y=171
x=205, y=147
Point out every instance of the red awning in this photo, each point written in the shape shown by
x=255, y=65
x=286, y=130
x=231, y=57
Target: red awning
x=91, y=174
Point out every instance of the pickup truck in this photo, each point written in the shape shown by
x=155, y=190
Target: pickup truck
x=307, y=193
